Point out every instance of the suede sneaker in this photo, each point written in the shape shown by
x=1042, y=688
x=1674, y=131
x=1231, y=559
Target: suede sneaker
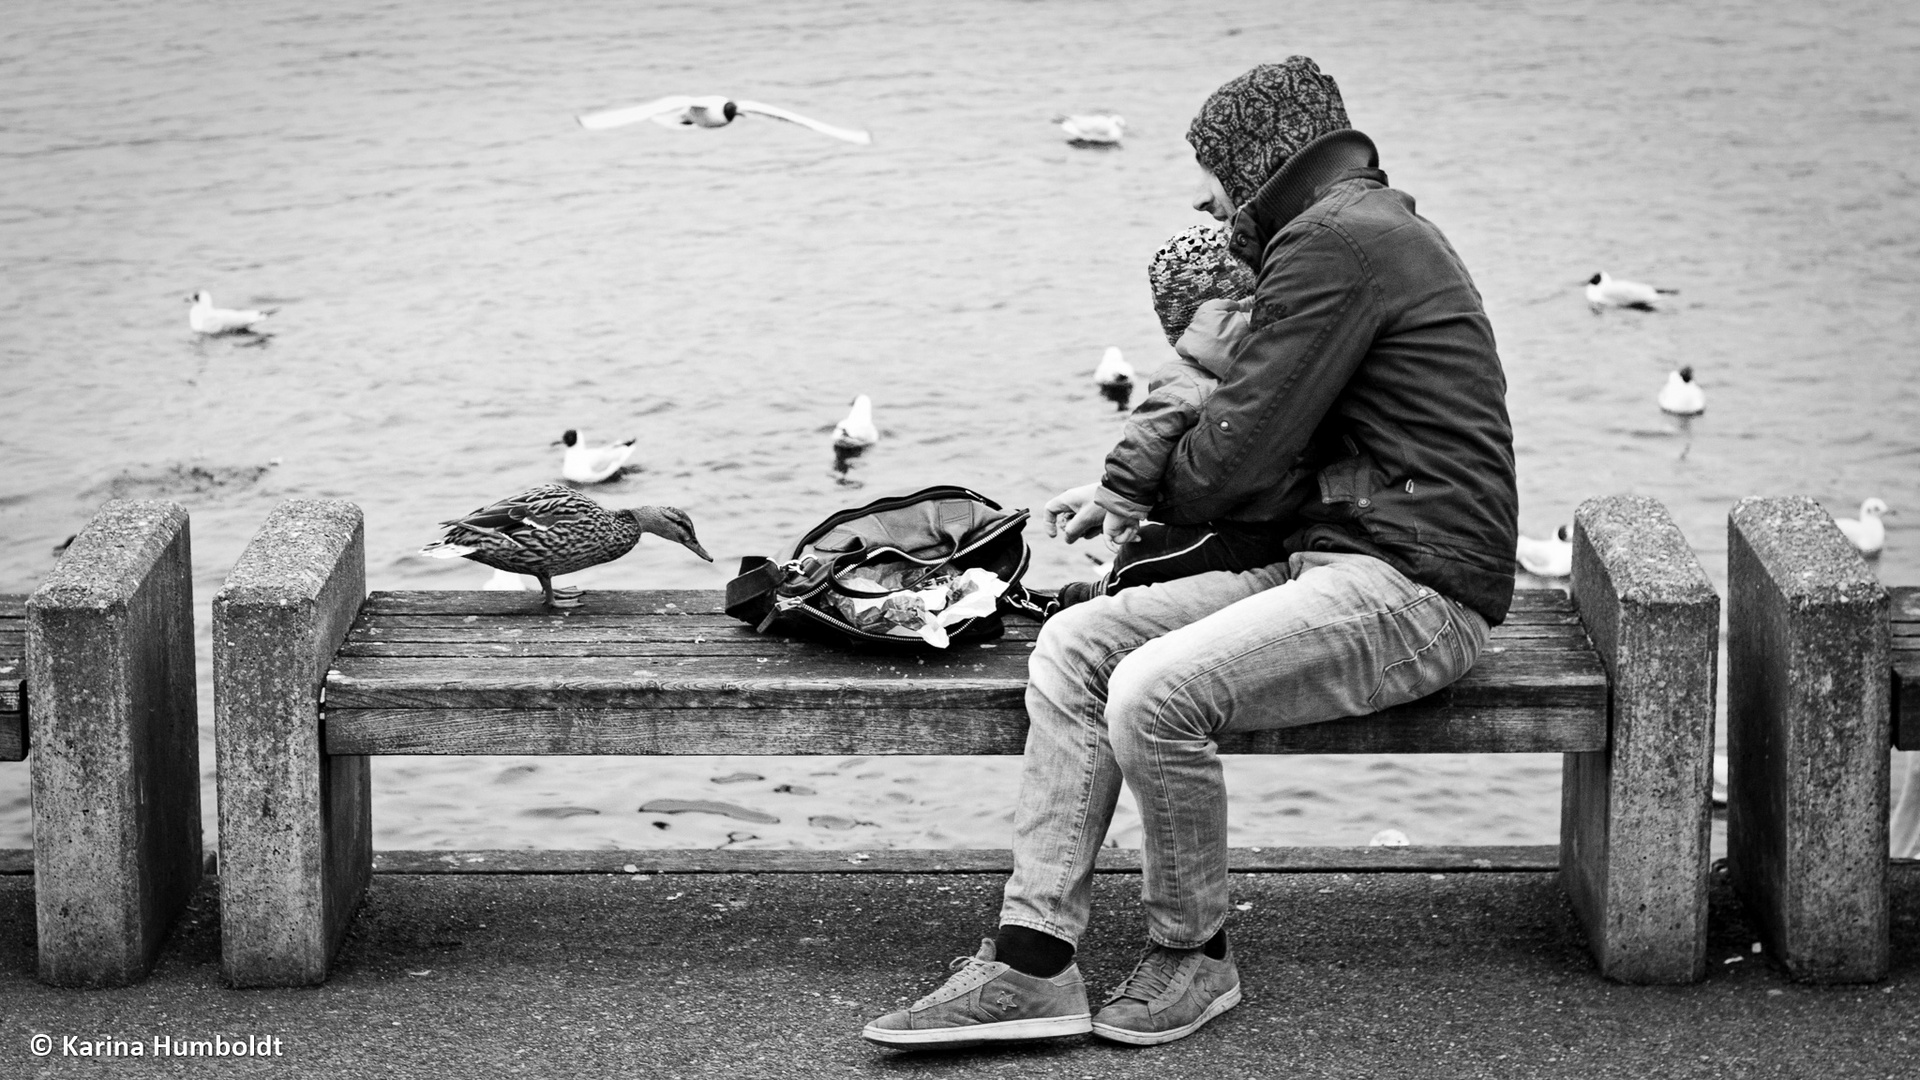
x=986, y=1001
x=1170, y=994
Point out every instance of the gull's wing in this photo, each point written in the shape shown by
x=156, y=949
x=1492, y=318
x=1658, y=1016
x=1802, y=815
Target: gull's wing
x=632, y=114
x=778, y=113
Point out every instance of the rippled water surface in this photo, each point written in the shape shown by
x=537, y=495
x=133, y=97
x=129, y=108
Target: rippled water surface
x=463, y=273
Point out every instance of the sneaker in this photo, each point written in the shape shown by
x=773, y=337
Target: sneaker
x=986, y=1001
x=1170, y=994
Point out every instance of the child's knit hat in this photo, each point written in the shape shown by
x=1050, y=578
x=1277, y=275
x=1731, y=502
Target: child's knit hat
x=1191, y=269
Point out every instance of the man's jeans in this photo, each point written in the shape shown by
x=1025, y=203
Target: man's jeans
x=1137, y=684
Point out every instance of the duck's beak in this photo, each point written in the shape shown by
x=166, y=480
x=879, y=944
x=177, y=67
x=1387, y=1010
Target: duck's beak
x=694, y=546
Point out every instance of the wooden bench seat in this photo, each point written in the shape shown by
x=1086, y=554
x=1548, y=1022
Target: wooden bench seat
x=13, y=678
x=312, y=676
x=670, y=673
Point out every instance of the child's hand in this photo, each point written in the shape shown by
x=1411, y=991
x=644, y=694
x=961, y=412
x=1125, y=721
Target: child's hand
x=1121, y=530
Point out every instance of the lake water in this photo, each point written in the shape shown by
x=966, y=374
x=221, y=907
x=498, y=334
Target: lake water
x=463, y=273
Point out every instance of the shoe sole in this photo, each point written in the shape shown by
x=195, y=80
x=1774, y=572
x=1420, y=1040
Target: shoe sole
x=1154, y=1038
x=1039, y=1027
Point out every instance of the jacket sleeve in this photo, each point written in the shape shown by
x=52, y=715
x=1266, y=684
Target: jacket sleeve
x=1314, y=317
x=1138, y=462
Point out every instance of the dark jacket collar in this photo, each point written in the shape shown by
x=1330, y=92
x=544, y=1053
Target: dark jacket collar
x=1333, y=157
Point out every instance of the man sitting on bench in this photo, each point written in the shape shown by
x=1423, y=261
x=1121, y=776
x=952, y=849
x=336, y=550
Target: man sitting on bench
x=1364, y=414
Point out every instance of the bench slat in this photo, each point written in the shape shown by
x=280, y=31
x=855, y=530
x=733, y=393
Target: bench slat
x=822, y=678
x=1564, y=723
x=731, y=646
x=1906, y=667
x=463, y=602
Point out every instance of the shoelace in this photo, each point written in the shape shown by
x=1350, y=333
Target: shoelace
x=1152, y=976
x=962, y=967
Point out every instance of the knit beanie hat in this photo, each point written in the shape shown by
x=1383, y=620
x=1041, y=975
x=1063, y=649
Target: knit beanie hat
x=1191, y=269
x=1250, y=127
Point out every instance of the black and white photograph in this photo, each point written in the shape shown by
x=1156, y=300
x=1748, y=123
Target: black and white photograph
x=993, y=538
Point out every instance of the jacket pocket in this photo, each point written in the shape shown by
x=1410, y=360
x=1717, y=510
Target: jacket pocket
x=1347, y=486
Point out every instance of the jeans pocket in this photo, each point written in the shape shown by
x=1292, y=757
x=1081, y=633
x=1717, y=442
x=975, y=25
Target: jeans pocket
x=1436, y=660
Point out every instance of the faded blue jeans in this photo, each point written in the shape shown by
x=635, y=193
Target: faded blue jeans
x=1135, y=686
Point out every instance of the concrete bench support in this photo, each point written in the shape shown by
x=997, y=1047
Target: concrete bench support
x=1807, y=737
x=1635, y=818
x=295, y=823
x=116, y=751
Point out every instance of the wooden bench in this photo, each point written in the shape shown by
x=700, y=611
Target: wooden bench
x=1823, y=676
x=312, y=676
x=97, y=682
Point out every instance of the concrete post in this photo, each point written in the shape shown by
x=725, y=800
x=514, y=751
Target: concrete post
x=116, y=750
x=296, y=842
x=1635, y=818
x=1807, y=737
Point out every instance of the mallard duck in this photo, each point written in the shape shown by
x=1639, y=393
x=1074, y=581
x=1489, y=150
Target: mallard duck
x=1682, y=396
x=1606, y=292
x=204, y=318
x=1867, y=532
x=1094, y=129
x=1552, y=557
x=709, y=111
x=1114, y=376
x=591, y=464
x=551, y=529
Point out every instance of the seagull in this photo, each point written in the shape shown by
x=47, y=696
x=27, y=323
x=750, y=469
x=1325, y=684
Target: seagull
x=1552, y=557
x=1866, y=532
x=1605, y=292
x=1093, y=129
x=207, y=319
x=711, y=111
x=856, y=432
x=591, y=464
x=1114, y=376
x=1682, y=396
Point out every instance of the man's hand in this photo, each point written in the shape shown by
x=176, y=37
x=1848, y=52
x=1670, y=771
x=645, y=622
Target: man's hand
x=1082, y=516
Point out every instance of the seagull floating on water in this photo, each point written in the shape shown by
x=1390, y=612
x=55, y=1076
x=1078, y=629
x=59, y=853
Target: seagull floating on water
x=1682, y=396
x=549, y=530
x=710, y=111
x=1093, y=129
x=856, y=431
x=1114, y=376
x=1552, y=557
x=591, y=464
x=1866, y=532
x=207, y=319
x=1605, y=292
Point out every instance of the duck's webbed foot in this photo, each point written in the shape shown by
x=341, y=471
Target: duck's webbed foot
x=563, y=597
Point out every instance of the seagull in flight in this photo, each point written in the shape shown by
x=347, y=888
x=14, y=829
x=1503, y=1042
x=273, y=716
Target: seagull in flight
x=1604, y=292
x=711, y=111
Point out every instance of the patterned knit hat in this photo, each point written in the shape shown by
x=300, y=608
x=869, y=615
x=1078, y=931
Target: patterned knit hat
x=1250, y=127
x=1191, y=269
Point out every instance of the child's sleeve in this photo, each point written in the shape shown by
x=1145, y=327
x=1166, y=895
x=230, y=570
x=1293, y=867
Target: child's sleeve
x=1138, y=461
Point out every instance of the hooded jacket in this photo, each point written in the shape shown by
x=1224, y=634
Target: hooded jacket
x=1365, y=410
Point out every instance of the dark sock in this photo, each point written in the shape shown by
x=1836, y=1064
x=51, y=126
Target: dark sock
x=1216, y=946
x=1031, y=952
